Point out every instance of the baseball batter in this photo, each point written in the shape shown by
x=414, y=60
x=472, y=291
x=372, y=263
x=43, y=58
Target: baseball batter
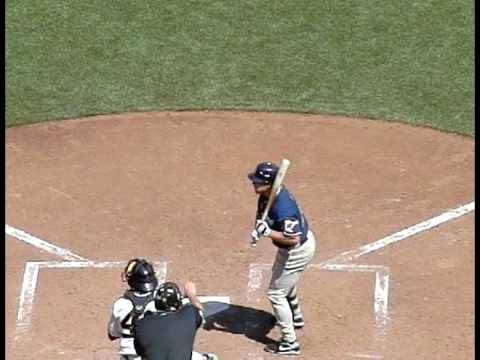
x=288, y=229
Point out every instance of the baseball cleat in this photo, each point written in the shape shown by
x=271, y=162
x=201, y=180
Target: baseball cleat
x=283, y=348
x=209, y=356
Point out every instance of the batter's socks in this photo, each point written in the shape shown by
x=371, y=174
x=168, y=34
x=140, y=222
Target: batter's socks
x=284, y=348
x=298, y=321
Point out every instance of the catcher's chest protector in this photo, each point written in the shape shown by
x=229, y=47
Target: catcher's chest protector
x=139, y=305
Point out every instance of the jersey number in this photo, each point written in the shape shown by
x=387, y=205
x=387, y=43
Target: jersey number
x=290, y=225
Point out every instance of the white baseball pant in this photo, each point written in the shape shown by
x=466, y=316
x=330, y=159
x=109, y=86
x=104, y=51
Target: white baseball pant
x=282, y=292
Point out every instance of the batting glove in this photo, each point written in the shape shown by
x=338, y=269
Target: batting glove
x=262, y=228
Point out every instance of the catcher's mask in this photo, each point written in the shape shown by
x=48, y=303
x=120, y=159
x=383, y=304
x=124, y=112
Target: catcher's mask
x=168, y=297
x=140, y=275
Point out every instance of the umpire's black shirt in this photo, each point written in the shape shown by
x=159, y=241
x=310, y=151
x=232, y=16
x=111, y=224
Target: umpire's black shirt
x=167, y=336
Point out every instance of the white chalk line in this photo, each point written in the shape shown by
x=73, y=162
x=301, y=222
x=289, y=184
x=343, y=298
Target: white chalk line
x=382, y=276
x=380, y=298
x=255, y=274
x=161, y=270
x=364, y=356
x=346, y=267
x=220, y=299
x=381, y=284
x=41, y=244
x=27, y=295
x=380, y=303
x=404, y=234
x=208, y=298
x=382, y=273
x=30, y=280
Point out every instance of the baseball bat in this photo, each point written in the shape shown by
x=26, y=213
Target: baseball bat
x=282, y=171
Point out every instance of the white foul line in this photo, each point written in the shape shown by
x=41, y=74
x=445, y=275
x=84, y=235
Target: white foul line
x=403, y=234
x=41, y=244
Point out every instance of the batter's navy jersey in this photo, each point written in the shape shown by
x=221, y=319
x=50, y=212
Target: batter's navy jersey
x=168, y=336
x=285, y=215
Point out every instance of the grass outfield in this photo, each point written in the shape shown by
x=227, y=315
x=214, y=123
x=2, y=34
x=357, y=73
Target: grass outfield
x=411, y=61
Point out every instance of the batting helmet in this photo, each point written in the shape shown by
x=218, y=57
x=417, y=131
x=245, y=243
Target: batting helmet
x=264, y=173
x=168, y=297
x=140, y=275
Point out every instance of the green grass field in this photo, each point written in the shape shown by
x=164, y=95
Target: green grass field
x=411, y=61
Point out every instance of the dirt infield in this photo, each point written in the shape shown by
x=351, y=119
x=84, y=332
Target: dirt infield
x=173, y=186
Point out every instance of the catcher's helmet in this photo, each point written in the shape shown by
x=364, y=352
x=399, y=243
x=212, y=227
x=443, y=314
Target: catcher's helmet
x=140, y=275
x=264, y=173
x=168, y=297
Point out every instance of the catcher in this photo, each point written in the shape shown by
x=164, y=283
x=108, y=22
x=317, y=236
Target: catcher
x=142, y=281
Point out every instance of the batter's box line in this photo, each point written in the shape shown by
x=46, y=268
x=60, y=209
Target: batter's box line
x=30, y=280
x=381, y=287
x=380, y=298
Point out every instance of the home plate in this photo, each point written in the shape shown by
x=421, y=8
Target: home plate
x=213, y=304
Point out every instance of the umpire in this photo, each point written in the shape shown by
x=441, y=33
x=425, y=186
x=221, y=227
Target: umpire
x=169, y=333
